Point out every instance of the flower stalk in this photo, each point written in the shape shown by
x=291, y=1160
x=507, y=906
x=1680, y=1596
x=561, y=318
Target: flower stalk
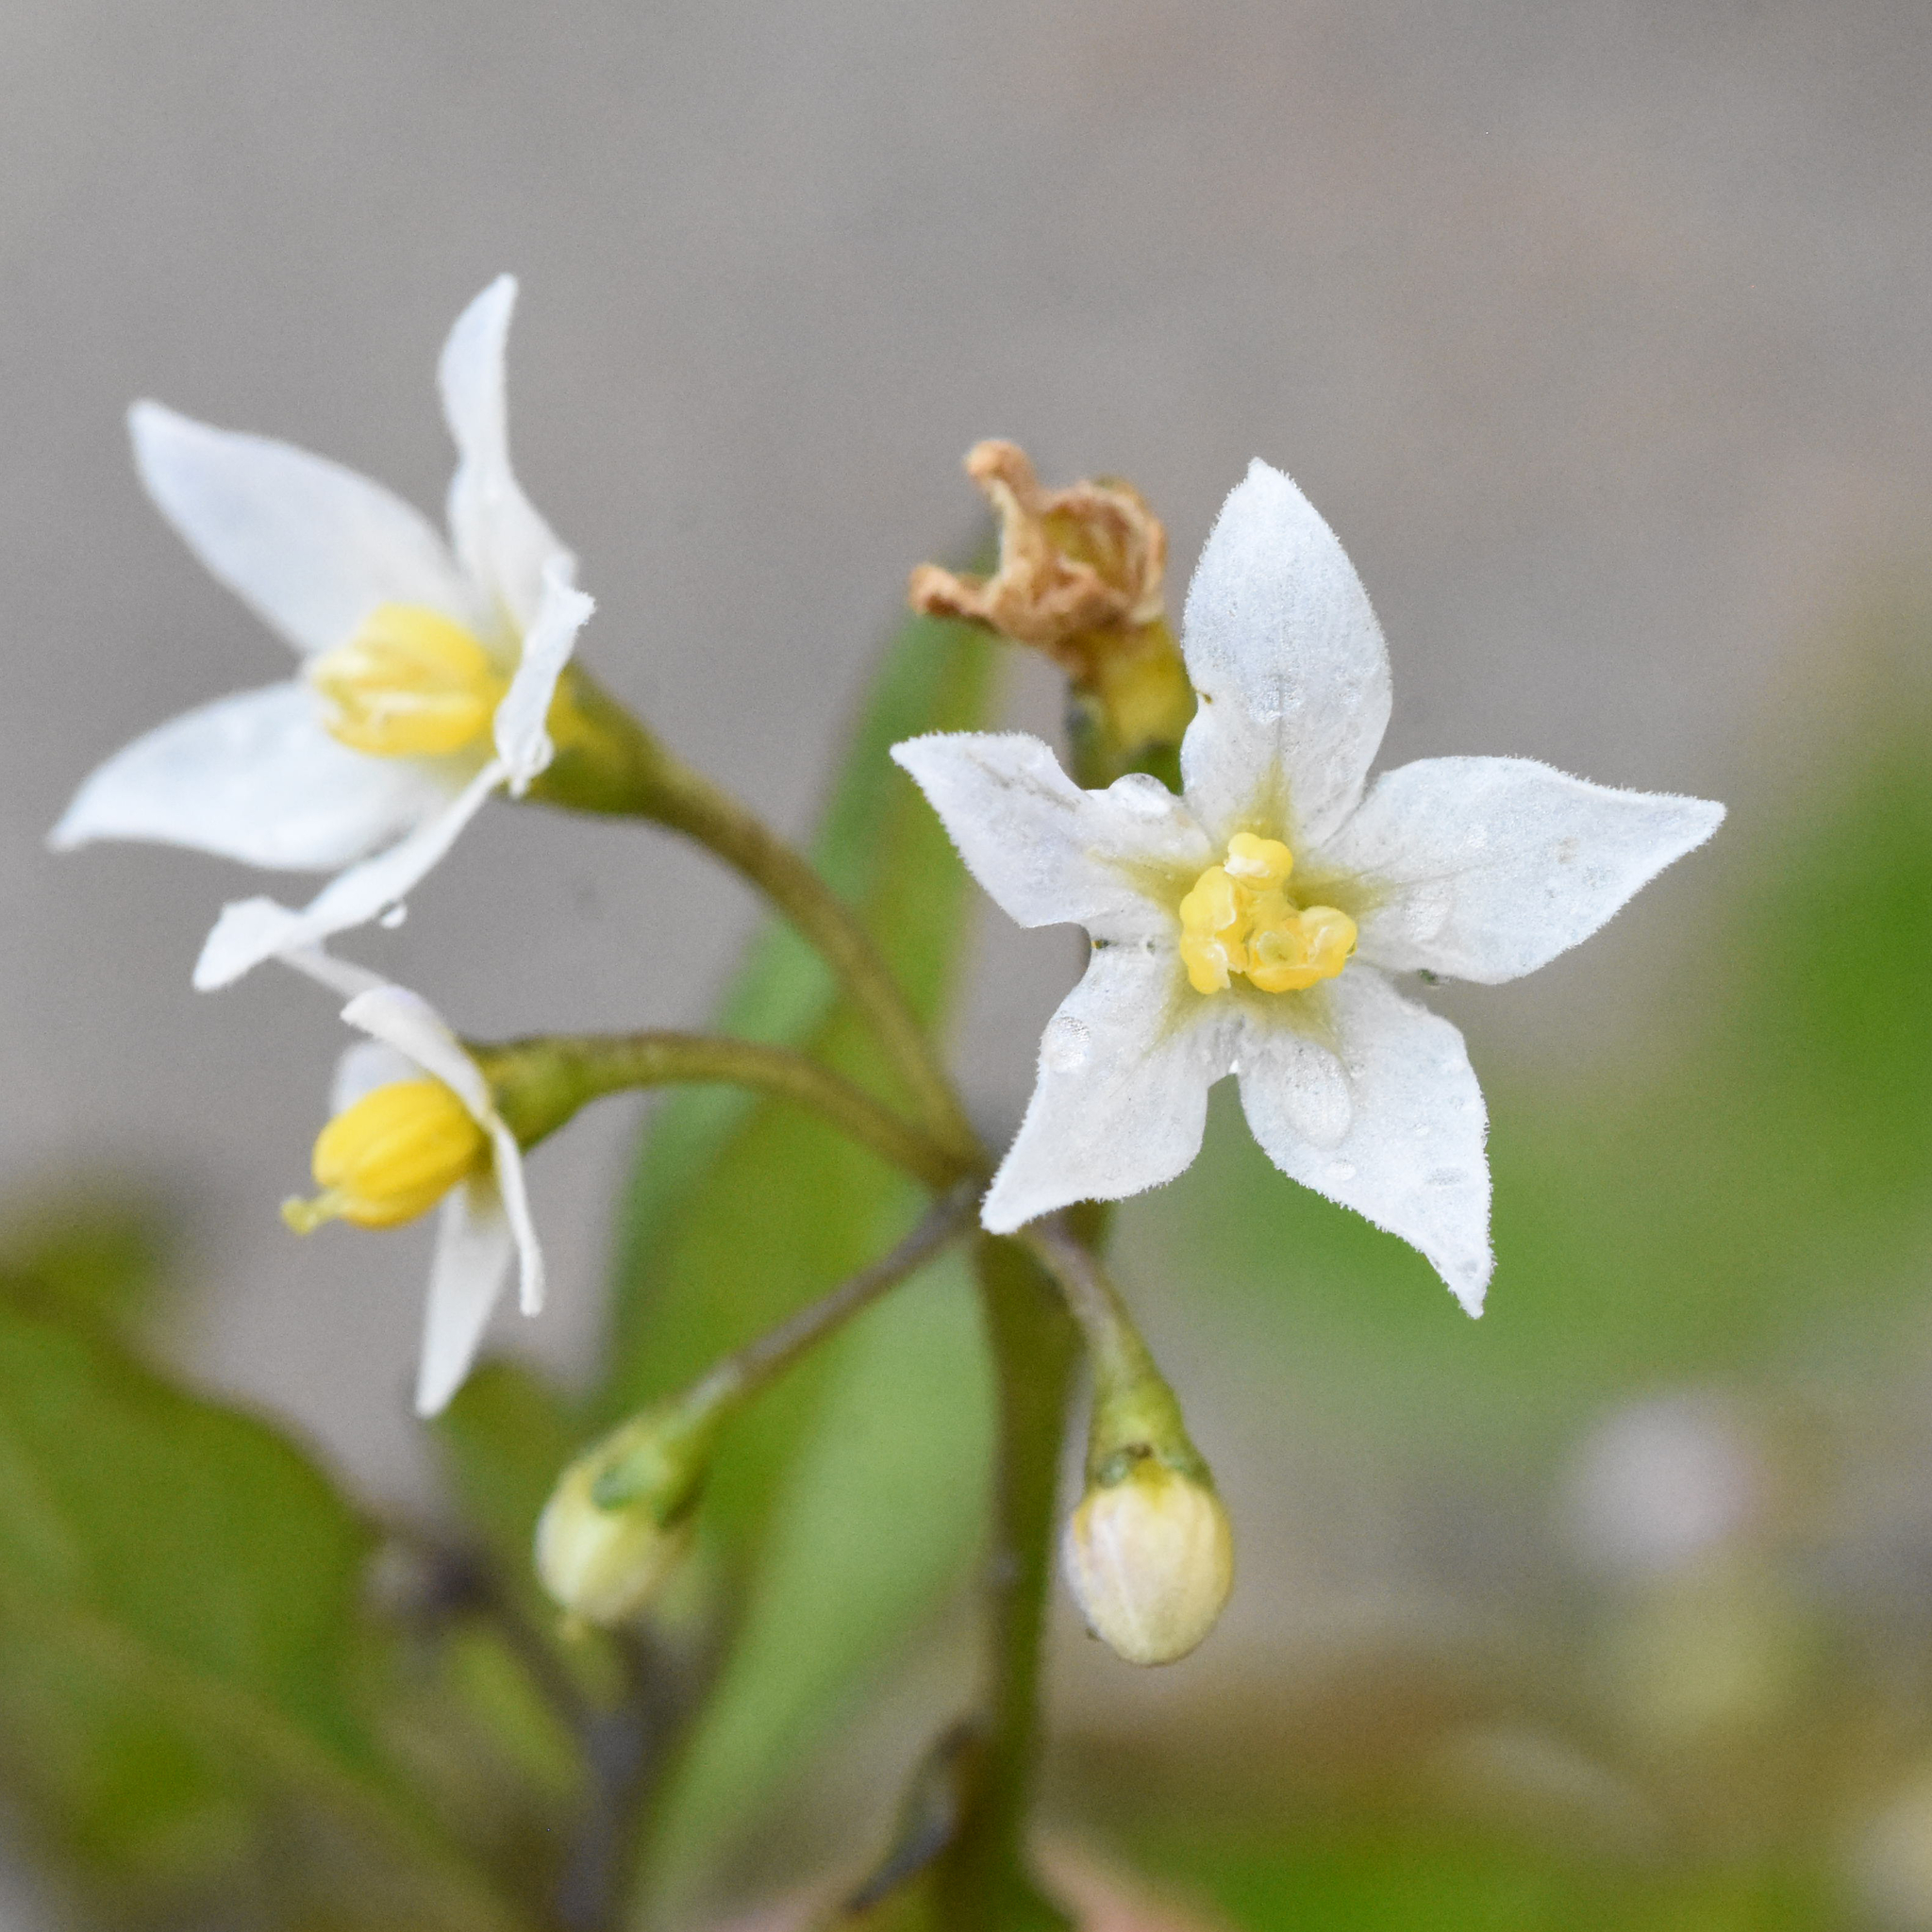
x=620, y=1518
x=1149, y=1554
x=539, y=1084
x=984, y=1877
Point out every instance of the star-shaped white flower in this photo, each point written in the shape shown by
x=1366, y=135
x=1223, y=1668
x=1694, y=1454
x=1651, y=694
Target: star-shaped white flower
x=484, y=1222
x=427, y=667
x=1250, y=925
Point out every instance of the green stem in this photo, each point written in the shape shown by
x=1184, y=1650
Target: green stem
x=762, y=1361
x=540, y=1084
x=982, y=1883
x=662, y=1454
x=608, y=762
x=1135, y=1410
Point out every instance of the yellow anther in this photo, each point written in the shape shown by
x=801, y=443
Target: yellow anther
x=1237, y=918
x=392, y=1155
x=410, y=682
x=1249, y=858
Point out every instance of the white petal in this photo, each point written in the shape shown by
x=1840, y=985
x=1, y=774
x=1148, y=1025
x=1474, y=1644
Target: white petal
x=309, y=546
x=1493, y=866
x=1124, y=1069
x=516, y=1203
x=522, y=742
x=252, y=930
x=340, y=975
x=473, y=1246
x=1049, y=853
x=364, y=1067
x=502, y=540
x=1412, y=1159
x=254, y=776
x=407, y=1022
x=1290, y=663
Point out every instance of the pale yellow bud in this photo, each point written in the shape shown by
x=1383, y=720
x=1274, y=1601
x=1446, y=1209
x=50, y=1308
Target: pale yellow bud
x=1150, y=1560
x=603, y=1565
x=396, y=1152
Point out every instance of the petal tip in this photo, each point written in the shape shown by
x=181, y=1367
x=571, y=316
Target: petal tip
x=1470, y=1283
x=245, y=935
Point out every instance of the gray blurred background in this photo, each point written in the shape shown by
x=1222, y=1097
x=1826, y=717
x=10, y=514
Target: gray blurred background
x=1599, y=332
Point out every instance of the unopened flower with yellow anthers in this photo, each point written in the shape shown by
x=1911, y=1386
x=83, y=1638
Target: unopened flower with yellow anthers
x=1250, y=926
x=428, y=673
x=412, y=1123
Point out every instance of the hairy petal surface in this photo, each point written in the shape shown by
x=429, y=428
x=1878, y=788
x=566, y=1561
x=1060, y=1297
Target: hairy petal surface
x=1412, y=1159
x=1049, y=853
x=475, y=1244
x=309, y=546
x=1286, y=653
x=502, y=540
x=1122, y=1098
x=253, y=776
x=1493, y=866
x=522, y=741
x=252, y=930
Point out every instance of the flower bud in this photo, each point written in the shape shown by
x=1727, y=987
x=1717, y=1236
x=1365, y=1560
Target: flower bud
x=604, y=1564
x=1149, y=1560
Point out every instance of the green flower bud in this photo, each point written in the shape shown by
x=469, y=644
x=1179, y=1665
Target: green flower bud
x=1149, y=1560
x=620, y=1519
x=604, y=1564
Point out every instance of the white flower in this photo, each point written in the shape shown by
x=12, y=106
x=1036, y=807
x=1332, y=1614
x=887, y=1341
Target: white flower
x=395, y=1171
x=1250, y=925
x=428, y=668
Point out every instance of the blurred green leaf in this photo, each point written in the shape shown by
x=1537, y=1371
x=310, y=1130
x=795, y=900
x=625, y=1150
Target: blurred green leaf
x=99, y=1250
x=503, y=1439
x=1313, y=1876
x=739, y=1211
x=179, y=1635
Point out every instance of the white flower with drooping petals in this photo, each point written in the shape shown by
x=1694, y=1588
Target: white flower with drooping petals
x=1250, y=925
x=428, y=668
x=484, y=1222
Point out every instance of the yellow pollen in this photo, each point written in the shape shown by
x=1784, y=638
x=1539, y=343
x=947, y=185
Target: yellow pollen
x=409, y=683
x=1239, y=919
x=395, y=1153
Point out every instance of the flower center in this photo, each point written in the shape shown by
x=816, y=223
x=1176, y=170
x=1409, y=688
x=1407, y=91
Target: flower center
x=409, y=683
x=398, y=1150
x=1239, y=919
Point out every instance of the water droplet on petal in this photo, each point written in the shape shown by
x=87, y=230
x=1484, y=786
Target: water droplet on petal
x=1318, y=1102
x=1143, y=795
x=1340, y=1170
x=1065, y=1045
x=394, y=917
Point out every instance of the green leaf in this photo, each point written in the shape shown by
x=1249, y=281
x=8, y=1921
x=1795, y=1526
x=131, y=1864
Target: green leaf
x=739, y=1211
x=179, y=1636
